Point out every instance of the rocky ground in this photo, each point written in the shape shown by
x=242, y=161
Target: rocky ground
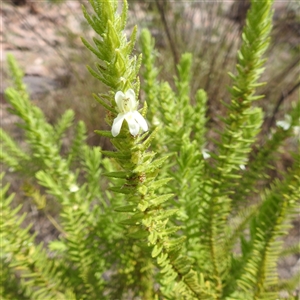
x=34, y=35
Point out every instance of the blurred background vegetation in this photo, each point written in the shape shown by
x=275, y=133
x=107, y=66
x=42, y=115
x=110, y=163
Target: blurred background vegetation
x=45, y=39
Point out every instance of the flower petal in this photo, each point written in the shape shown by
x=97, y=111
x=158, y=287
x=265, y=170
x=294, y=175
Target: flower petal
x=141, y=120
x=130, y=94
x=119, y=98
x=205, y=154
x=117, y=124
x=134, y=127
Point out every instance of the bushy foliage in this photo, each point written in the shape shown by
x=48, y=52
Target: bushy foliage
x=160, y=216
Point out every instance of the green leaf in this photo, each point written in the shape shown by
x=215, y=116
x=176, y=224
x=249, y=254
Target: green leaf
x=104, y=133
x=124, y=175
x=156, y=250
x=133, y=220
x=116, y=154
x=160, y=199
x=126, y=208
x=159, y=183
x=139, y=234
x=104, y=104
x=151, y=167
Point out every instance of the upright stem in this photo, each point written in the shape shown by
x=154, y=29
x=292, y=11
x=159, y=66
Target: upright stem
x=170, y=39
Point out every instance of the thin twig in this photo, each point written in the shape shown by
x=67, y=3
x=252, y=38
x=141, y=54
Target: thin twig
x=279, y=102
x=161, y=10
x=56, y=48
x=281, y=76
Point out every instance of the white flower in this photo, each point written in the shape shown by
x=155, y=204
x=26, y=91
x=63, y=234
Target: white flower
x=74, y=188
x=127, y=107
x=296, y=131
x=286, y=123
x=205, y=154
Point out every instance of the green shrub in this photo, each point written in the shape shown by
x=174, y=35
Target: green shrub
x=160, y=217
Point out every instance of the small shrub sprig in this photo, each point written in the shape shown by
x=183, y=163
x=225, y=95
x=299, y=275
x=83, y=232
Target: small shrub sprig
x=139, y=168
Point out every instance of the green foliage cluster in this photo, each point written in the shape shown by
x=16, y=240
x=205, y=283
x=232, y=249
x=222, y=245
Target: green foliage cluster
x=160, y=217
